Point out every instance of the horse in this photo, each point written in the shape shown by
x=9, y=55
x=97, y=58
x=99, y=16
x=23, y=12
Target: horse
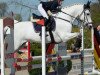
x=24, y=31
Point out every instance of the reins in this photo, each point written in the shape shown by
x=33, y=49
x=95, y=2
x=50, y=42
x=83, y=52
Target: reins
x=77, y=18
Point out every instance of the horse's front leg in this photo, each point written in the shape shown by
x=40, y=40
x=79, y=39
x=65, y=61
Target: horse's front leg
x=70, y=36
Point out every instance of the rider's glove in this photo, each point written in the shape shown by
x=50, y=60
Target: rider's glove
x=49, y=13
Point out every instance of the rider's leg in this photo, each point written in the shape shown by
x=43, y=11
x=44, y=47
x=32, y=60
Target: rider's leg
x=42, y=11
x=45, y=15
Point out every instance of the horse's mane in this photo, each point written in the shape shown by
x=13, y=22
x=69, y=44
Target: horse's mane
x=71, y=5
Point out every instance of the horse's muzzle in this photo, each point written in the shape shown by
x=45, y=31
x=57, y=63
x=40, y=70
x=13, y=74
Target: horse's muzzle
x=89, y=25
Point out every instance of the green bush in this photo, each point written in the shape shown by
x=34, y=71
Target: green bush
x=37, y=71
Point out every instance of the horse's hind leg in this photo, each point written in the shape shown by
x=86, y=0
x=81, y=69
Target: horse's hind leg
x=70, y=36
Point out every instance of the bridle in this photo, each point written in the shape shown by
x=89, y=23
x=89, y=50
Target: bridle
x=85, y=17
x=77, y=18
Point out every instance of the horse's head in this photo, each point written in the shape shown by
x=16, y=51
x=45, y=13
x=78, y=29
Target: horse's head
x=77, y=11
x=85, y=15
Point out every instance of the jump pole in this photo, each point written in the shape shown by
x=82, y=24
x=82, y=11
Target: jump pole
x=43, y=51
x=92, y=35
x=82, y=52
x=2, y=49
x=7, y=21
x=42, y=23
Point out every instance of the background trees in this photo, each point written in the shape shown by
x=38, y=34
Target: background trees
x=99, y=1
x=18, y=17
x=3, y=9
x=95, y=13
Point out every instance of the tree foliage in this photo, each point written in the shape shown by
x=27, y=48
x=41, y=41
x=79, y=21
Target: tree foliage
x=3, y=9
x=95, y=13
x=36, y=49
x=99, y=1
x=18, y=17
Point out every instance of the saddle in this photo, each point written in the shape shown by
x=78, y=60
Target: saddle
x=38, y=27
x=49, y=24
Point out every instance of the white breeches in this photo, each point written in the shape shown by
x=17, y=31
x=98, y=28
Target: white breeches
x=42, y=11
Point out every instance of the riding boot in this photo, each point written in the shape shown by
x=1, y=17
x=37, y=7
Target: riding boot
x=46, y=25
x=46, y=21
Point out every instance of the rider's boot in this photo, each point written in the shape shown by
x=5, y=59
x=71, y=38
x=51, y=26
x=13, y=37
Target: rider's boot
x=46, y=25
x=46, y=21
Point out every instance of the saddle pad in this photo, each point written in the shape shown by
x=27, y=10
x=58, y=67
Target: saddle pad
x=37, y=27
x=51, y=25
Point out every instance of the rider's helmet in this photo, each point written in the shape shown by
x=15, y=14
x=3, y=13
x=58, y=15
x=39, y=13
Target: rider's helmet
x=59, y=1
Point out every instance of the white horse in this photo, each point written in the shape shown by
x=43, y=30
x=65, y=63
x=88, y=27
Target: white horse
x=24, y=31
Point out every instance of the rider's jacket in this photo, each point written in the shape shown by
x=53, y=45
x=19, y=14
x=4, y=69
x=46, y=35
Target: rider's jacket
x=51, y=5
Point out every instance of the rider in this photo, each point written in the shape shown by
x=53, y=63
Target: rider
x=51, y=5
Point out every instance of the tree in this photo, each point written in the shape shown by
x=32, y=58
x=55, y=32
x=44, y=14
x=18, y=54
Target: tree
x=95, y=13
x=3, y=9
x=18, y=17
x=99, y=1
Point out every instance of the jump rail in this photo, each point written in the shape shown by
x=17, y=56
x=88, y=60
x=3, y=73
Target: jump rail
x=52, y=59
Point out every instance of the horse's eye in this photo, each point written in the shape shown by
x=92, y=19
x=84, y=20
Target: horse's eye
x=88, y=14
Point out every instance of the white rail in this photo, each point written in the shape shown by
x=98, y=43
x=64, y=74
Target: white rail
x=56, y=58
x=43, y=51
x=2, y=49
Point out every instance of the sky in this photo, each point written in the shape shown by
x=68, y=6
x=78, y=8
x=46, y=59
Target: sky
x=26, y=12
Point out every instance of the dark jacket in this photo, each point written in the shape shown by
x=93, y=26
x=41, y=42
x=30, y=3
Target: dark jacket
x=52, y=5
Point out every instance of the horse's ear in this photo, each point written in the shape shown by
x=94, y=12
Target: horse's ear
x=88, y=3
x=87, y=6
